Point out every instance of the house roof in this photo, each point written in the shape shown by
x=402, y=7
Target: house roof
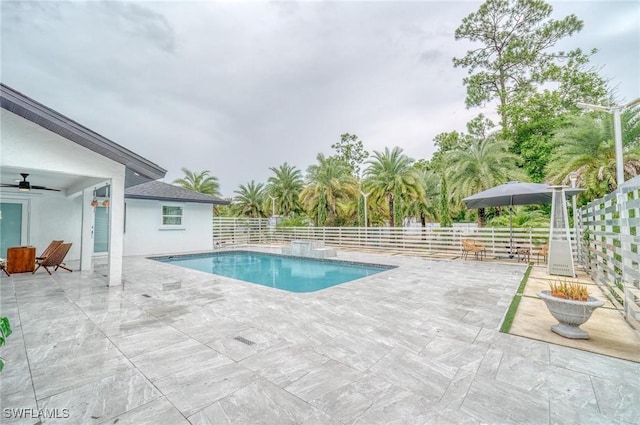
x=167, y=192
x=27, y=108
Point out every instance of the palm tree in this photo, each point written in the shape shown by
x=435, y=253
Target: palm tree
x=199, y=182
x=586, y=146
x=285, y=186
x=250, y=200
x=328, y=182
x=428, y=207
x=484, y=164
x=391, y=176
x=521, y=217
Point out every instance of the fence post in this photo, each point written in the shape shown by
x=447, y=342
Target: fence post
x=404, y=244
x=625, y=247
x=493, y=241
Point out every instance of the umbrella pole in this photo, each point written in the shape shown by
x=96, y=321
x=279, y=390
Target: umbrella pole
x=511, y=227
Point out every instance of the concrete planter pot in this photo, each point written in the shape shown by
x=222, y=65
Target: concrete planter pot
x=570, y=314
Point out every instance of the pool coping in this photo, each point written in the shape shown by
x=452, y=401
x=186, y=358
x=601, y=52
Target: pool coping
x=385, y=267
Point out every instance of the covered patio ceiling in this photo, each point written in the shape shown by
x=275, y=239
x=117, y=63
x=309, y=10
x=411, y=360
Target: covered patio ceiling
x=69, y=185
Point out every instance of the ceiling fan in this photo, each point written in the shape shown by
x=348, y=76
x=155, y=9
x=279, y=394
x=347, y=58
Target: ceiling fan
x=25, y=186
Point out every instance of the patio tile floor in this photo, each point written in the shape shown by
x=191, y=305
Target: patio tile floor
x=609, y=333
x=418, y=344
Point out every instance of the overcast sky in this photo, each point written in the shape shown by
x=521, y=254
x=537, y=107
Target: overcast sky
x=238, y=87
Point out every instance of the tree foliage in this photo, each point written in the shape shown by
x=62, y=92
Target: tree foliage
x=514, y=54
x=426, y=208
x=486, y=163
x=351, y=150
x=200, y=182
x=445, y=215
x=521, y=217
x=285, y=185
x=586, y=146
x=390, y=176
x=249, y=200
x=327, y=182
x=478, y=128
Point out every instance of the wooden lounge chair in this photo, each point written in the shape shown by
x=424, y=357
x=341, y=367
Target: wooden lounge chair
x=55, y=258
x=48, y=250
x=46, y=253
x=3, y=266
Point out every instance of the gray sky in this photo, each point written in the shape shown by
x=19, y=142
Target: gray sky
x=238, y=87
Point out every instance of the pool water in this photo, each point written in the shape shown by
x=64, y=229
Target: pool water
x=291, y=274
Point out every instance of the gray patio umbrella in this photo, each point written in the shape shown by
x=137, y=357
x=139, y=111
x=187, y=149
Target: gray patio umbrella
x=514, y=193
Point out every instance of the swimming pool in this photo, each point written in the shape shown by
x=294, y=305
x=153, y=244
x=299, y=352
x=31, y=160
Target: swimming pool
x=293, y=274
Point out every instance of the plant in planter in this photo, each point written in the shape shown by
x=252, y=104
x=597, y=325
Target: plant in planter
x=571, y=305
x=569, y=290
x=5, y=331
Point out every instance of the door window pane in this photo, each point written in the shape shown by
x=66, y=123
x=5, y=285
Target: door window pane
x=10, y=226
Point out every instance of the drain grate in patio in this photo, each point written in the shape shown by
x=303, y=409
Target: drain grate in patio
x=244, y=340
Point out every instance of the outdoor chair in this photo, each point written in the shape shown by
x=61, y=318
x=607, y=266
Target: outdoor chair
x=46, y=253
x=55, y=259
x=524, y=254
x=541, y=251
x=48, y=250
x=481, y=249
x=477, y=248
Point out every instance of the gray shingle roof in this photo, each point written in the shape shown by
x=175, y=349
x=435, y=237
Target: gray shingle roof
x=27, y=108
x=167, y=192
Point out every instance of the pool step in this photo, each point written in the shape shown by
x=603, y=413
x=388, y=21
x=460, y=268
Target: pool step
x=309, y=249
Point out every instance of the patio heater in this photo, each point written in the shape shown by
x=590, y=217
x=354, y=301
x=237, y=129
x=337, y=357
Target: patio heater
x=365, y=195
x=274, y=220
x=573, y=177
x=560, y=253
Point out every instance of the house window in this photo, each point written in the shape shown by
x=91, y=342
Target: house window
x=171, y=215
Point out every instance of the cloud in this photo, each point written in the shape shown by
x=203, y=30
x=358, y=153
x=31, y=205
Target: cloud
x=134, y=20
x=238, y=87
x=614, y=29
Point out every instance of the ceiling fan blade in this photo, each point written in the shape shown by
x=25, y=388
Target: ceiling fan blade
x=24, y=185
x=44, y=188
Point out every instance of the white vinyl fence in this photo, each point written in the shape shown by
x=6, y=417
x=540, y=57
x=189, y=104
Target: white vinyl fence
x=238, y=231
x=416, y=240
x=410, y=240
x=609, y=247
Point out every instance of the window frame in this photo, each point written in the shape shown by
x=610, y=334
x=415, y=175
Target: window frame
x=163, y=216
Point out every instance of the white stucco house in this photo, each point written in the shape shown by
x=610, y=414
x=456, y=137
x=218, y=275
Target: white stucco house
x=69, y=168
x=162, y=218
